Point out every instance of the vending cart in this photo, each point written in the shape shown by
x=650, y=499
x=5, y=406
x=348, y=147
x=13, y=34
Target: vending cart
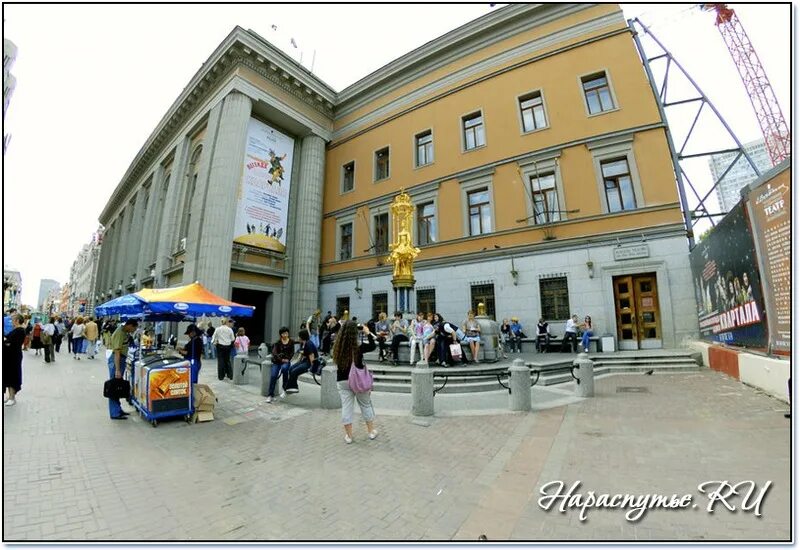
x=162, y=387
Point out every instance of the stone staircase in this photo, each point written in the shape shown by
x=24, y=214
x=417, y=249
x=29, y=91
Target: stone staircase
x=554, y=369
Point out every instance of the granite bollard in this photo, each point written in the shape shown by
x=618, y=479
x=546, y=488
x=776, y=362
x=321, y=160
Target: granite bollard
x=239, y=372
x=422, y=391
x=585, y=384
x=329, y=393
x=519, y=398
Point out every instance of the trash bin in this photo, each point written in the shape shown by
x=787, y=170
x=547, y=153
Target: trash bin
x=607, y=343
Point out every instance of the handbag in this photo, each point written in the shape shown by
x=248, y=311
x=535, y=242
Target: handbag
x=116, y=388
x=455, y=351
x=360, y=380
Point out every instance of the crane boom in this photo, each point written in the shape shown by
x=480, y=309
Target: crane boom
x=762, y=96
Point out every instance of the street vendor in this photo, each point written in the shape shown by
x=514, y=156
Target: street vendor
x=193, y=350
x=117, y=360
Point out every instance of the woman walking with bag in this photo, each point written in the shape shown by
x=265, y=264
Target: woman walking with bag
x=352, y=377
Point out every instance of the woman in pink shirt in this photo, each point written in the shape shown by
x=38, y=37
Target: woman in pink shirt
x=242, y=342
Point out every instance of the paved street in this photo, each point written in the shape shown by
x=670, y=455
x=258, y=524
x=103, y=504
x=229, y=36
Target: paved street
x=283, y=472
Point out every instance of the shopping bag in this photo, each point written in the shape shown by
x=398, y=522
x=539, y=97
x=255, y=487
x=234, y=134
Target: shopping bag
x=455, y=351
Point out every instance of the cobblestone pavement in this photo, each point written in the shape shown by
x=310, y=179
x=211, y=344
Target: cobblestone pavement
x=283, y=472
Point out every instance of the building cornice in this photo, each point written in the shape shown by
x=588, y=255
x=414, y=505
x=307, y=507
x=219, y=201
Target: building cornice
x=241, y=48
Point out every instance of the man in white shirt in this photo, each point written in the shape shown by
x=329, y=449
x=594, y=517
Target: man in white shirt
x=571, y=333
x=48, y=337
x=223, y=340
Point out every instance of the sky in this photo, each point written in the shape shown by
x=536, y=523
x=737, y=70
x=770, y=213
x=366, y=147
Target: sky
x=93, y=81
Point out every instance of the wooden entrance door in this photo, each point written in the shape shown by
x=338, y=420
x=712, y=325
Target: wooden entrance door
x=637, y=312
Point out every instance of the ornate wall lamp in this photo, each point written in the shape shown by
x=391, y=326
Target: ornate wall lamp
x=358, y=288
x=590, y=267
x=514, y=273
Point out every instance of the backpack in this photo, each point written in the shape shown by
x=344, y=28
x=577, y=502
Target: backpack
x=55, y=331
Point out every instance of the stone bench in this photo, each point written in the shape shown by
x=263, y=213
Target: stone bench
x=404, y=352
x=529, y=344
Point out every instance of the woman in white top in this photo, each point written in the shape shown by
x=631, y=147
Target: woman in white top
x=78, y=328
x=473, y=334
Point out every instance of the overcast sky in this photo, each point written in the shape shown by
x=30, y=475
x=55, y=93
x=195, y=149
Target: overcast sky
x=93, y=81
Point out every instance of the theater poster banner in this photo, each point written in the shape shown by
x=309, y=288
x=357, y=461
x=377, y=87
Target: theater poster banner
x=727, y=284
x=263, y=195
x=769, y=206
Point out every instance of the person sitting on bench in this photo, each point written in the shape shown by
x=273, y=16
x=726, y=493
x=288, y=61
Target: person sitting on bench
x=542, y=336
x=516, y=335
x=571, y=333
x=309, y=361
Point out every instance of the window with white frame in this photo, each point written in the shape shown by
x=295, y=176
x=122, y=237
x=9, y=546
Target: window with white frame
x=348, y=176
x=473, y=131
x=480, y=213
x=545, y=198
x=381, y=226
x=531, y=107
x=423, y=146
x=382, y=164
x=618, y=185
x=426, y=223
x=346, y=241
x=597, y=92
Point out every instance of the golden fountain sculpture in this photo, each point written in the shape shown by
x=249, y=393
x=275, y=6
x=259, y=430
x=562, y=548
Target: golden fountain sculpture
x=402, y=250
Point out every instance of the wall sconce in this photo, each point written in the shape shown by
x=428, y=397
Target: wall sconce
x=119, y=286
x=358, y=288
x=590, y=267
x=514, y=273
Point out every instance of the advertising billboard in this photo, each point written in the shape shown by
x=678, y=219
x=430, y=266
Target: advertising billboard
x=727, y=283
x=262, y=205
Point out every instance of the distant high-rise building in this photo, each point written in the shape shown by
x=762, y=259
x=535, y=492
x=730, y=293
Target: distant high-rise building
x=46, y=286
x=740, y=175
x=9, y=82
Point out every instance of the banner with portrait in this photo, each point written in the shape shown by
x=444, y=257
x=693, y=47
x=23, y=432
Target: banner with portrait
x=727, y=284
x=262, y=206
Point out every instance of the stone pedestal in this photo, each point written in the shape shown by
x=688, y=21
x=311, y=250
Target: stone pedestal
x=491, y=348
x=520, y=384
x=239, y=373
x=421, y=391
x=266, y=369
x=329, y=393
x=585, y=374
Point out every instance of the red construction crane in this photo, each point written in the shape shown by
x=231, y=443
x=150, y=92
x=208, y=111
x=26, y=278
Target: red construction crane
x=762, y=96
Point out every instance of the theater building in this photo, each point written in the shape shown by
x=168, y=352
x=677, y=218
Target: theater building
x=530, y=143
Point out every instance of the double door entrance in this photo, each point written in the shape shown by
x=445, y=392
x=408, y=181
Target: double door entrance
x=637, y=311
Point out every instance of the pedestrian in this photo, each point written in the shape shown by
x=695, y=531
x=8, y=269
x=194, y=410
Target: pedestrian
x=516, y=335
x=348, y=353
x=472, y=335
x=454, y=335
x=312, y=325
x=382, y=331
x=223, y=340
x=159, y=334
x=418, y=327
x=542, y=336
x=8, y=321
x=242, y=342
x=282, y=353
x=28, y=330
x=77, y=337
x=62, y=329
x=36, y=338
x=505, y=336
x=91, y=332
x=210, y=349
x=48, y=340
x=309, y=360
x=193, y=351
x=117, y=363
x=12, y=360
x=587, y=333
x=399, y=333
x=571, y=333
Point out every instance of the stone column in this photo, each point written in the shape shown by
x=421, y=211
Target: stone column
x=198, y=203
x=519, y=398
x=119, y=249
x=150, y=231
x=166, y=234
x=105, y=251
x=308, y=230
x=135, y=238
x=216, y=239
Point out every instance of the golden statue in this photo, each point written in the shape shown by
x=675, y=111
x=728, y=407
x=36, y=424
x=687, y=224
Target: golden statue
x=402, y=250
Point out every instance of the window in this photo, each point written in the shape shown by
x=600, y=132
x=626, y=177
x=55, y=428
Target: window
x=426, y=223
x=426, y=300
x=484, y=294
x=348, y=176
x=555, y=298
x=342, y=305
x=346, y=241
x=597, y=93
x=531, y=108
x=473, y=131
x=480, y=215
x=545, y=199
x=382, y=233
x=380, y=303
x=382, y=164
x=618, y=185
x=424, y=148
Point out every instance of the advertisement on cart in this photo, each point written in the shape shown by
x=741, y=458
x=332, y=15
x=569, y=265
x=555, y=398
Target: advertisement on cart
x=165, y=384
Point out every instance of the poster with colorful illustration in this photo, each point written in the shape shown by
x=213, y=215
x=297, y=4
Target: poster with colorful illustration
x=262, y=205
x=727, y=284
